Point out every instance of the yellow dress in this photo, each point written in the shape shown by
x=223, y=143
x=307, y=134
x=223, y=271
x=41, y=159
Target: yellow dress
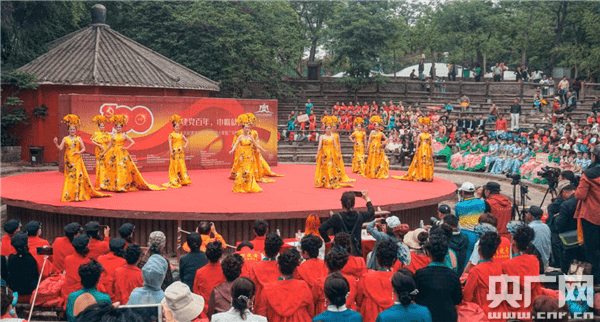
x=421, y=167
x=121, y=172
x=339, y=160
x=178, y=175
x=262, y=168
x=102, y=138
x=77, y=185
x=328, y=174
x=245, y=176
x=358, y=160
x=378, y=165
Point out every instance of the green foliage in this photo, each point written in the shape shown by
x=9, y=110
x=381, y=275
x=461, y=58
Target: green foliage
x=13, y=112
x=40, y=112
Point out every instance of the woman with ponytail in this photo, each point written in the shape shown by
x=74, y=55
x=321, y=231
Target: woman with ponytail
x=242, y=301
x=404, y=309
x=337, y=289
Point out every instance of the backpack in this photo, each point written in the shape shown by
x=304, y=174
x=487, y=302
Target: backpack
x=356, y=243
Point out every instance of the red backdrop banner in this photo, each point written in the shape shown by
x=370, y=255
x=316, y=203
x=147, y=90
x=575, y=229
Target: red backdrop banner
x=208, y=123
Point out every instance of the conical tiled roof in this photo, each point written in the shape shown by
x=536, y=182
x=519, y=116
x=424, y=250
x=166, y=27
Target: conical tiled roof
x=98, y=55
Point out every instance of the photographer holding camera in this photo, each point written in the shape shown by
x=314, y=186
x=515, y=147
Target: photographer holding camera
x=588, y=194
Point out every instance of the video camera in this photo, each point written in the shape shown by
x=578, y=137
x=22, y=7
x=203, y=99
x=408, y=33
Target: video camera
x=551, y=175
x=516, y=178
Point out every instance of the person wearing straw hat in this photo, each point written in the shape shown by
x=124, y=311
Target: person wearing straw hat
x=77, y=185
x=100, y=139
x=415, y=239
x=122, y=174
x=178, y=174
x=421, y=167
x=378, y=165
x=181, y=305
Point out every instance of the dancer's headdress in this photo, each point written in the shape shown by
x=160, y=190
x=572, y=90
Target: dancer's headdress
x=119, y=119
x=99, y=119
x=176, y=119
x=376, y=120
x=359, y=120
x=242, y=119
x=251, y=118
x=425, y=121
x=328, y=120
x=72, y=120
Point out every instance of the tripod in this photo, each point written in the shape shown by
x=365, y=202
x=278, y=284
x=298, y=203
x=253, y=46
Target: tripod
x=524, y=190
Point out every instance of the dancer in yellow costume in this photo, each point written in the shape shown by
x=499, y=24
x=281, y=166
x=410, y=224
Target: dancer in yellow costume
x=358, y=137
x=262, y=167
x=101, y=139
x=339, y=158
x=122, y=174
x=178, y=174
x=328, y=174
x=245, y=159
x=378, y=165
x=77, y=185
x=421, y=167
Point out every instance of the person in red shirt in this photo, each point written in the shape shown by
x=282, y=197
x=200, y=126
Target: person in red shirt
x=10, y=227
x=111, y=261
x=266, y=271
x=312, y=122
x=501, y=123
x=477, y=286
x=418, y=258
x=34, y=230
x=209, y=234
x=129, y=276
x=211, y=274
x=356, y=265
x=350, y=107
x=72, y=262
x=250, y=256
x=260, y=228
x=126, y=232
x=500, y=206
x=97, y=246
x=286, y=299
x=375, y=293
x=62, y=246
x=336, y=259
x=313, y=267
x=336, y=107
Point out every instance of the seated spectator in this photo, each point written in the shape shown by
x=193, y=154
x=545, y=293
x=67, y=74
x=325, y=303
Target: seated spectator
x=129, y=276
x=418, y=258
x=451, y=260
x=464, y=103
x=110, y=262
x=62, y=246
x=7, y=313
x=250, y=256
x=477, y=286
x=387, y=227
x=543, y=305
x=156, y=246
x=458, y=242
x=220, y=297
x=260, y=228
x=23, y=271
x=286, y=299
x=439, y=286
x=34, y=230
x=107, y=312
x=72, y=262
x=487, y=222
x=356, y=265
x=126, y=232
x=153, y=274
x=181, y=305
x=522, y=264
x=404, y=309
x=98, y=246
x=571, y=103
x=493, y=113
x=78, y=301
x=242, y=299
x=210, y=275
x=312, y=268
x=192, y=261
x=266, y=271
x=374, y=288
x=336, y=289
x=335, y=260
x=11, y=227
x=542, y=240
x=209, y=234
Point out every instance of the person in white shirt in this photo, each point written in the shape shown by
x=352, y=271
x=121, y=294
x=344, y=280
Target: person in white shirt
x=242, y=298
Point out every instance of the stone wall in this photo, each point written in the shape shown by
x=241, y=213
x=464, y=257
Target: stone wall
x=11, y=153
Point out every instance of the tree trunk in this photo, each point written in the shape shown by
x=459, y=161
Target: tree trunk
x=313, y=49
x=299, y=68
x=394, y=63
x=559, y=29
x=484, y=63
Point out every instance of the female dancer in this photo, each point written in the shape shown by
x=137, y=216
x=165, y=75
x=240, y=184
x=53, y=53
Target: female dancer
x=101, y=139
x=178, y=175
x=245, y=177
x=359, y=139
x=327, y=174
x=440, y=146
x=378, y=165
x=421, y=167
x=77, y=185
x=121, y=172
x=339, y=160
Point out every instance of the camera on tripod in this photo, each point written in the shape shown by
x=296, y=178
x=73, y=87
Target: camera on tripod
x=516, y=178
x=551, y=175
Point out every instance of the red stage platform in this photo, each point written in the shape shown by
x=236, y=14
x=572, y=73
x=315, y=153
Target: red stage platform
x=285, y=203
